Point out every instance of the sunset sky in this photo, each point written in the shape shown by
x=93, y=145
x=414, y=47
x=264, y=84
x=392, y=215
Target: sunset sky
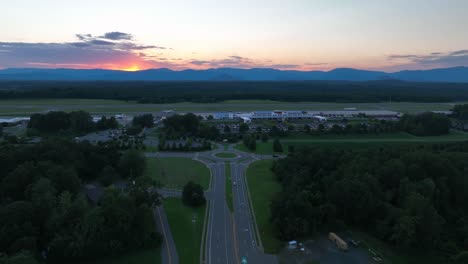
x=388, y=35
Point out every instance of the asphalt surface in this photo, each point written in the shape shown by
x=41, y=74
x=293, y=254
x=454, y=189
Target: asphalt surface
x=169, y=250
x=229, y=236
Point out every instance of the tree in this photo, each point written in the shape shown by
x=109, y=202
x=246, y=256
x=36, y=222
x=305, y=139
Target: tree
x=145, y=120
x=132, y=164
x=307, y=128
x=243, y=128
x=81, y=122
x=192, y=194
x=108, y=175
x=264, y=137
x=20, y=258
x=227, y=129
x=277, y=147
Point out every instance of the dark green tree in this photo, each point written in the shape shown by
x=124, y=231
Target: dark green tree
x=193, y=195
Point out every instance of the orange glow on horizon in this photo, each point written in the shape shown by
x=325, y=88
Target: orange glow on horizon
x=132, y=68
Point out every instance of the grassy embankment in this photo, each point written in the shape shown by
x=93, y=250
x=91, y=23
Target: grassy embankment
x=186, y=225
x=263, y=187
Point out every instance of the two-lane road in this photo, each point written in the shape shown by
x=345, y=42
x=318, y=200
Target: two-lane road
x=219, y=242
x=244, y=222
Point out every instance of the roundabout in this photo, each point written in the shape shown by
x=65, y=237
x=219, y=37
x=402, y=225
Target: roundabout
x=226, y=155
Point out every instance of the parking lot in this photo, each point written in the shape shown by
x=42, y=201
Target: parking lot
x=322, y=250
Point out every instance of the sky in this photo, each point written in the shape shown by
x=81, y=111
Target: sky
x=199, y=34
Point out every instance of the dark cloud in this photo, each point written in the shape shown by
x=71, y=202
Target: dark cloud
x=199, y=62
x=284, y=66
x=100, y=42
x=235, y=61
x=79, y=44
x=459, y=52
x=117, y=36
x=110, y=50
x=435, y=59
x=83, y=36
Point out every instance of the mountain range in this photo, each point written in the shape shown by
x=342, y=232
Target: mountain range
x=456, y=74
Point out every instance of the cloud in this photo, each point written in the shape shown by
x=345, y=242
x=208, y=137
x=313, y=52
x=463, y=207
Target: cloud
x=99, y=42
x=315, y=63
x=235, y=61
x=117, y=50
x=284, y=66
x=434, y=59
x=111, y=50
x=117, y=36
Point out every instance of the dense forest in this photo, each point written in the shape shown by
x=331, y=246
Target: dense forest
x=46, y=215
x=413, y=197
x=76, y=122
x=206, y=92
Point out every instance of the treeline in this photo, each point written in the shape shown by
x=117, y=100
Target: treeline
x=188, y=125
x=425, y=124
x=44, y=210
x=460, y=112
x=413, y=197
x=76, y=122
x=208, y=92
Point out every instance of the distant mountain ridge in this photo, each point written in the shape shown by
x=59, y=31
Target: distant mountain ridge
x=455, y=74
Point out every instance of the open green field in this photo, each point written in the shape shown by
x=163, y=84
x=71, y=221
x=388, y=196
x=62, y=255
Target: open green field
x=228, y=181
x=138, y=257
x=353, y=141
x=186, y=225
x=225, y=155
x=263, y=187
x=174, y=173
x=26, y=107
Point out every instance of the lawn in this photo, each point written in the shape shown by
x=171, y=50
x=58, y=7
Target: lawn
x=225, y=155
x=228, y=181
x=174, y=173
x=263, y=187
x=186, y=225
x=352, y=141
x=137, y=257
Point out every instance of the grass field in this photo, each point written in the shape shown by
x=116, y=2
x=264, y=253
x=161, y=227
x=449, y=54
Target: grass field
x=352, y=141
x=174, y=173
x=186, y=225
x=26, y=107
x=229, y=200
x=263, y=188
x=138, y=257
x=225, y=155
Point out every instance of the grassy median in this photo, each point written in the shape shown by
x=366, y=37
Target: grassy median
x=186, y=225
x=174, y=173
x=263, y=187
x=150, y=256
x=229, y=200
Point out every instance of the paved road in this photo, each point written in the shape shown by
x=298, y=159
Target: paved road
x=229, y=236
x=247, y=244
x=219, y=239
x=169, y=250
